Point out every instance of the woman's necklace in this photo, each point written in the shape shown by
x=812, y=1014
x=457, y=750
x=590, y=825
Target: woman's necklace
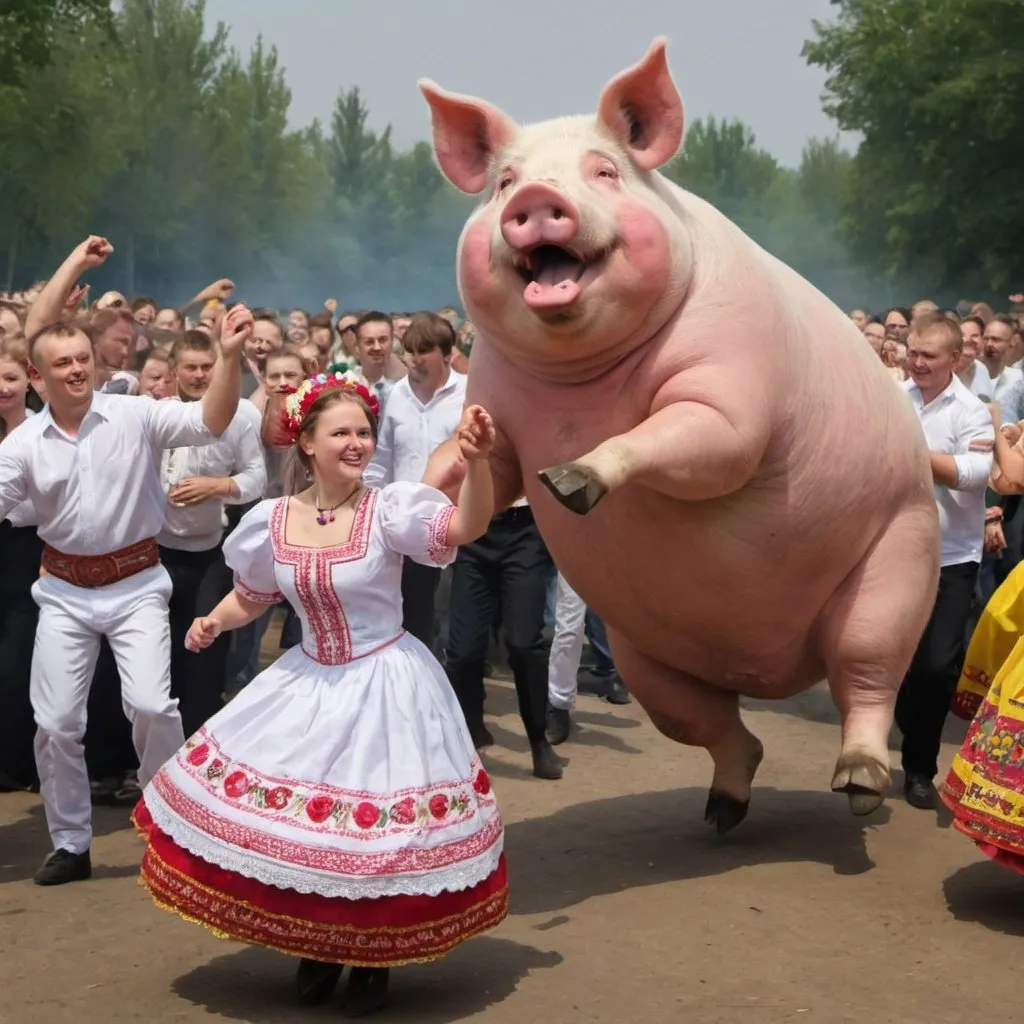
x=326, y=515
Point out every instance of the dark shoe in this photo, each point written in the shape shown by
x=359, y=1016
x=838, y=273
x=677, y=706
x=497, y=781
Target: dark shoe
x=546, y=764
x=63, y=866
x=315, y=981
x=129, y=791
x=481, y=736
x=103, y=792
x=366, y=992
x=559, y=726
x=919, y=792
x=616, y=692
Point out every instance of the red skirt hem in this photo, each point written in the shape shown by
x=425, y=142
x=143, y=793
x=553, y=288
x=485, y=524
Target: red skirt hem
x=990, y=836
x=385, y=932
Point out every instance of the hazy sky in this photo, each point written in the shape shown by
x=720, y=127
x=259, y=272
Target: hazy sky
x=541, y=58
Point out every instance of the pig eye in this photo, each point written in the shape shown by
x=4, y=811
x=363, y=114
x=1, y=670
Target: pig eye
x=607, y=171
x=504, y=182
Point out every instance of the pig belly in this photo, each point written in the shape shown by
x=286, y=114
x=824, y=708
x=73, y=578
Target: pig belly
x=736, y=610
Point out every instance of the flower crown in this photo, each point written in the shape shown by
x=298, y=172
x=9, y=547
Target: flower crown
x=298, y=403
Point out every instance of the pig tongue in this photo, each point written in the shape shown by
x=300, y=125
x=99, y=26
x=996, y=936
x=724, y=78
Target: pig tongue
x=555, y=282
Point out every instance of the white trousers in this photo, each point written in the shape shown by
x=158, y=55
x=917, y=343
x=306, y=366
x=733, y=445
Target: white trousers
x=566, y=646
x=132, y=615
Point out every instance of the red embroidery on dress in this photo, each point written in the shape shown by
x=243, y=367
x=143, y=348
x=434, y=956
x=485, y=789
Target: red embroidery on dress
x=438, y=549
x=286, y=851
x=259, y=596
x=320, y=808
x=313, y=570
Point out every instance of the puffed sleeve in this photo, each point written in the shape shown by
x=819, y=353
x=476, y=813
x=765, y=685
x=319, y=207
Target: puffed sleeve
x=250, y=556
x=414, y=521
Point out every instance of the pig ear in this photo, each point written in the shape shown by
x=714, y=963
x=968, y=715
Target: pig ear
x=467, y=134
x=642, y=109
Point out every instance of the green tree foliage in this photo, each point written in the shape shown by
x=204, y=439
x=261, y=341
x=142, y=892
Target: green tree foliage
x=27, y=29
x=158, y=134
x=937, y=89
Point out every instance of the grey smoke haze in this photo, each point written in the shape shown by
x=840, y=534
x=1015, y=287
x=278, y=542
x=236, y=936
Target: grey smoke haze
x=537, y=59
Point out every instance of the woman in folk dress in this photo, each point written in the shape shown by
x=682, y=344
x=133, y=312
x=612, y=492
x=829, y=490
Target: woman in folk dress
x=336, y=809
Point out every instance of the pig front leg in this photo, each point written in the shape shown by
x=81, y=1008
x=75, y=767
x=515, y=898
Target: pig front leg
x=687, y=450
x=869, y=631
x=689, y=711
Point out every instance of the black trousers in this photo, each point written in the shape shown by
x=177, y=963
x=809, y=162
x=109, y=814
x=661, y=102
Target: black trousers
x=200, y=580
x=109, y=750
x=21, y=551
x=925, y=695
x=419, y=588
x=509, y=566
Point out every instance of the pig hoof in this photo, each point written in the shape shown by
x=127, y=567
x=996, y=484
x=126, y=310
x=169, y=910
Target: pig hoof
x=864, y=779
x=575, y=486
x=724, y=812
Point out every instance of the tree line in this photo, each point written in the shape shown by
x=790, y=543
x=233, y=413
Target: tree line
x=147, y=125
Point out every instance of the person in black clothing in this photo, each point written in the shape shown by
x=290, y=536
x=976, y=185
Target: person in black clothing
x=510, y=564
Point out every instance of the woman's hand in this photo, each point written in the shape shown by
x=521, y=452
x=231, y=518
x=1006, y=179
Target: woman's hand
x=475, y=433
x=202, y=633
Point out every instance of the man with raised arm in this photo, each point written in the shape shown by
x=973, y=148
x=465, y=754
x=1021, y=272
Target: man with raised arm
x=88, y=463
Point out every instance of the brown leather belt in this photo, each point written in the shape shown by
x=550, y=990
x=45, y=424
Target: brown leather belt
x=93, y=571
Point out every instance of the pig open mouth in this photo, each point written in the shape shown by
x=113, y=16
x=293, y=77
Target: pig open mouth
x=553, y=274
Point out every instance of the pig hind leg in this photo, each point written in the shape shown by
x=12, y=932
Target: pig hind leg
x=868, y=635
x=689, y=711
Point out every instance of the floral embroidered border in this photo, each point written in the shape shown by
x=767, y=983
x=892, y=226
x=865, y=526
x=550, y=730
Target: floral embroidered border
x=438, y=549
x=257, y=596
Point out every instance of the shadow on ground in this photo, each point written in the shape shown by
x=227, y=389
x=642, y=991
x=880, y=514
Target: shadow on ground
x=25, y=842
x=608, y=846
x=987, y=894
x=257, y=985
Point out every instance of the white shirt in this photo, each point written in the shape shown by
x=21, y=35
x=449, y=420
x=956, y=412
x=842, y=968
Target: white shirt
x=25, y=513
x=100, y=491
x=1001, y=384
x=410, y=430
x=957, y=423
x=238, y=454
x=979, y=382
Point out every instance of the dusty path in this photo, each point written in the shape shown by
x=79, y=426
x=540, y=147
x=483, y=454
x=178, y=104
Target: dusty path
x=624, y=906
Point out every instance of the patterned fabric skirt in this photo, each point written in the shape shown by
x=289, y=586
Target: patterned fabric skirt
x=985, y=786
x=385, y=932
x=339, y=813
x=997, y=632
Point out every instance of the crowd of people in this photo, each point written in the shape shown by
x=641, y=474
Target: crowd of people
x=170, y=484
x=154, y=524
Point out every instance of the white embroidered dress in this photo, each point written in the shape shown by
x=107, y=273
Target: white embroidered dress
x=345, y=769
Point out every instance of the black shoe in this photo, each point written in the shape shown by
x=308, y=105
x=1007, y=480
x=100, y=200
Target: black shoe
x=559, y=726
x=103, y=792
x=481, y=736
x=546, y=764
x=919, y=792
x=366, y=992
x=616, y=692
x=315, y=981
x=63, y=866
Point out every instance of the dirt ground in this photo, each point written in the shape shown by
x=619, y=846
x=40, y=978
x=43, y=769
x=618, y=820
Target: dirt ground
x=624, y=906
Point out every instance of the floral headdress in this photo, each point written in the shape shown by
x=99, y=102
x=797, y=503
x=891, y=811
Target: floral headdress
x=298, y=403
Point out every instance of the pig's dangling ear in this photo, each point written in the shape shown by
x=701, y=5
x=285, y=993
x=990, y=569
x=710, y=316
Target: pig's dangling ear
x=467, y=134
x=641, y=107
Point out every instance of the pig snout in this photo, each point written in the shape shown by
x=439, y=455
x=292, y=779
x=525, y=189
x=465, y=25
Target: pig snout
x=539, y=214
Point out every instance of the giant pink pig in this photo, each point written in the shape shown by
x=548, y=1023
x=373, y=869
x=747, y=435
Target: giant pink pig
x=718, y=462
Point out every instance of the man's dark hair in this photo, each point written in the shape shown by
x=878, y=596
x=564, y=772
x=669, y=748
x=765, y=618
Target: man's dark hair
x=192, y=341
x=143, y=300
x=427, y=331
x=374, y=316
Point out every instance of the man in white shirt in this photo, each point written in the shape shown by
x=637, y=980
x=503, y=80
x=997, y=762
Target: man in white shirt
x=996, y=354
x=971, y=370
x=88, y=463
x=960, y=435
x=199, y=482
x=423, y=411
